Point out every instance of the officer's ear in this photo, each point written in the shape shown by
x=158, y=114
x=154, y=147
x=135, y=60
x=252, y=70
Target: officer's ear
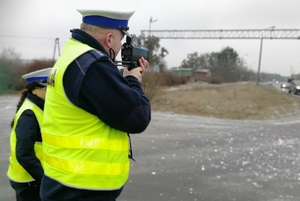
x=109, y=39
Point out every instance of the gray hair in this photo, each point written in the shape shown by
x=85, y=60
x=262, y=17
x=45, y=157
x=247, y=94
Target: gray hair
x=92, y=28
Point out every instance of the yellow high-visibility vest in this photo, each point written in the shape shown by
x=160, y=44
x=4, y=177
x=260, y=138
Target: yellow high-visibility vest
x=15, y=171
x=80, y=150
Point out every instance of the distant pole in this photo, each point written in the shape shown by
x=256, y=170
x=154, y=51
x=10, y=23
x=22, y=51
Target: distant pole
x=58, y=48
x=150, y=22
x=259, y=61
x=260, y=52
x=56, y=45
x=150, y=26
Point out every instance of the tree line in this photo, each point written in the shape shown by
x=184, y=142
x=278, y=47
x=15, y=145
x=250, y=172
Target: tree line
x=225, y=66
x=12, y=67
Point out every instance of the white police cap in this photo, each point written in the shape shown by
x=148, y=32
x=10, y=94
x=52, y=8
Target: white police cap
x=40, y=76
x=115, y=19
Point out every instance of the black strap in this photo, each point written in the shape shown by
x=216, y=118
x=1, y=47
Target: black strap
x=130, y=155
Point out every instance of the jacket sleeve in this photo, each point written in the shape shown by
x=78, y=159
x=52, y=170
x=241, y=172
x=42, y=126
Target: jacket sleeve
x=103, y=91
x=27, y=132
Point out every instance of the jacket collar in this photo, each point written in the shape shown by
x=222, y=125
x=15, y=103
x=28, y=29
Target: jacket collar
x=87, y=39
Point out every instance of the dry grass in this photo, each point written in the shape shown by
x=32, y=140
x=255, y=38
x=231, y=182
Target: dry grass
x=229, y=101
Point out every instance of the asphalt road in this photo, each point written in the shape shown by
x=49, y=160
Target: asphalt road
x=190, y=158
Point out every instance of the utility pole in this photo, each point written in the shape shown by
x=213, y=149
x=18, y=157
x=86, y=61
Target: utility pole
x=259, y=61
x=260, y=52
x=56, y=45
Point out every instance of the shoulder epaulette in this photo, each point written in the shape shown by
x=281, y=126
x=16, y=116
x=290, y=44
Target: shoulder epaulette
x=85, y=60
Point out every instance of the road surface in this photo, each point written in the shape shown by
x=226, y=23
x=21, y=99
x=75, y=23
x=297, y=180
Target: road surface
x=191, y=158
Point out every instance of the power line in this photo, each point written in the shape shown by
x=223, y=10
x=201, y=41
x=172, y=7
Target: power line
x=28, y=37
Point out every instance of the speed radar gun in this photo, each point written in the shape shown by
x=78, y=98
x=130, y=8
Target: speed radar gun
x=131, y=51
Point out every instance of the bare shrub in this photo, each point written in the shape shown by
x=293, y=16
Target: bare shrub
x=151, y=82
x=168, y=79
x=215, y=80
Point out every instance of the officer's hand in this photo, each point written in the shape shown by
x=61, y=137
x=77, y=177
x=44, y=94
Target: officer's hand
x=139, y=71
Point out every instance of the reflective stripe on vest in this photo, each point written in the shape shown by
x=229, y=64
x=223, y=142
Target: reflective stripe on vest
x=80, y=150
x=15, y=171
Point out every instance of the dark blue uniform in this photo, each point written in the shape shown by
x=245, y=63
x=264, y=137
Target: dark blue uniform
x=94, y=86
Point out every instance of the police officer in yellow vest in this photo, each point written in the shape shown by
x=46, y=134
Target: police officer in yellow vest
x=25, y=169
x=90, y=108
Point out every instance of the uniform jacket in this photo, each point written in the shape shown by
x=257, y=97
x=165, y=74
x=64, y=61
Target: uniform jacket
x=94, y=89
x=27, y=129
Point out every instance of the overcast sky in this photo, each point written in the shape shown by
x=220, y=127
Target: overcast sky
x=30, y=26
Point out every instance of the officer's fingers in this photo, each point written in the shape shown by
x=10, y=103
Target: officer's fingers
x=145, y=62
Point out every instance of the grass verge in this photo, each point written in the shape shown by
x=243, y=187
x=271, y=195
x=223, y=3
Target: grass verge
x=228, y=101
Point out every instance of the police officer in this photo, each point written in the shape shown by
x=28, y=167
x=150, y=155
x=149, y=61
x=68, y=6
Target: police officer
x=25, y=169
x=90, y=108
